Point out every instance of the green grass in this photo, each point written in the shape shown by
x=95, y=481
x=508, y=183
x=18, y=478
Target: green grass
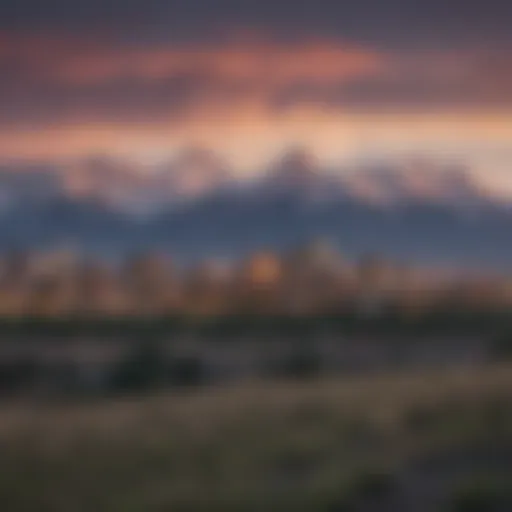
x=326, y=445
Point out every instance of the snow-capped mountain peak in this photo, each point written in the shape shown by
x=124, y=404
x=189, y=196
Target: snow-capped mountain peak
x=193, y=173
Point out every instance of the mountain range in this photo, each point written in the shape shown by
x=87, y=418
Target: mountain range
x=196, y=206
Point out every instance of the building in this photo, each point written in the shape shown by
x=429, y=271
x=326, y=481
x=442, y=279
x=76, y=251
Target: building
x=256, y=284
x=314, y=276
x=148, y=282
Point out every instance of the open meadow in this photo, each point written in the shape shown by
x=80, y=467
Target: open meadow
x=423, y=441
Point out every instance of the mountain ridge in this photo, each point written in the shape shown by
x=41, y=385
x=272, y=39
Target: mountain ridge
x=421, y=211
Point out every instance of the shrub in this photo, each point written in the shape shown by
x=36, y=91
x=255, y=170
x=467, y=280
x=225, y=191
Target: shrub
x=421, y=418
x=501, y=347
x=19, y=374
x=302, y=363
x=144, y=367
x=372, y=485
x=186, y=371
x=487, y=496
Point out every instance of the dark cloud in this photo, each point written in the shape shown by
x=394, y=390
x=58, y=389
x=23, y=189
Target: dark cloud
x=70, y=82
x=134, y=60
x=436, y=80
x=118, y=101
x=385, y=22
x=165, y=84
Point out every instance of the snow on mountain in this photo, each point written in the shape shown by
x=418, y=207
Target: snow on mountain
x=299, y=175
x=418, y=181
x=195, y=174
x=387, y=184
x=194, y=206
x=296, y=169
x=114, y=182
x=144, y=190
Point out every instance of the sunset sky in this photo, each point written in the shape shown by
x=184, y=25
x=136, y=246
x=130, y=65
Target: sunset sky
x=143, y=78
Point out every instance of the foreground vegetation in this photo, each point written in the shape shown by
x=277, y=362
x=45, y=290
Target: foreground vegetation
x=431, y=441
x=392, y=322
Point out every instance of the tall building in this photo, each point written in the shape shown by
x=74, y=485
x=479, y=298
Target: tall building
x=378, y=283
x=148, y=282
x=97, y=291
x=257, y=283
x=375, y=274
x=205, y=288
x=314, y=278
x=58, y=262
x=318, y=256
x=263, y=269
x=50, y=296
x=15, y=269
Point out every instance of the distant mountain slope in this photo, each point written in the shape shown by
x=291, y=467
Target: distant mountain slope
x=194, y=207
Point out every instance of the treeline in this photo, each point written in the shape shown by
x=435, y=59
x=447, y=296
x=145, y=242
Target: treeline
x=143, y=366
x=149, y=363
x=443, y=322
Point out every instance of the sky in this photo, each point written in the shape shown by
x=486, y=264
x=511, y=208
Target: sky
x=347, y=79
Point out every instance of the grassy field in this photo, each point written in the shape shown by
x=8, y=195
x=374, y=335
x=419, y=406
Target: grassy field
x=432, y=442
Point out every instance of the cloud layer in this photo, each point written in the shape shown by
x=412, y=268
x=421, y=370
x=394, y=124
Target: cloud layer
x=249, y=77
